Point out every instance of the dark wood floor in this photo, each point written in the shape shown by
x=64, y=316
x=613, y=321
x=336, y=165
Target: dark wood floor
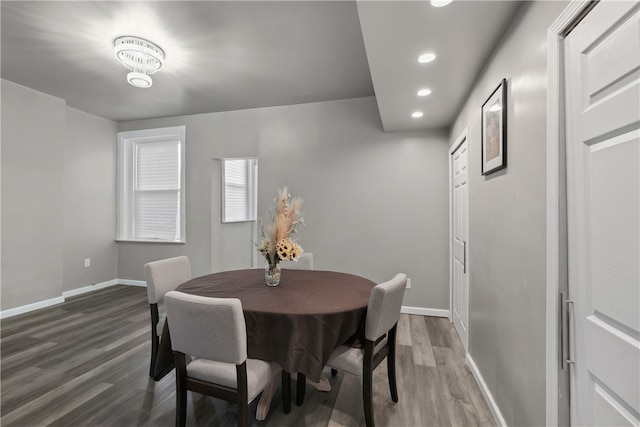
x=85, y=363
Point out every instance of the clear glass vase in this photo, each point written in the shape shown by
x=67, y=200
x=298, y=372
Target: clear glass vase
x=272, y=274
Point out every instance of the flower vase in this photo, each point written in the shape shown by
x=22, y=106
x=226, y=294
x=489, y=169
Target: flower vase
x=272, y=274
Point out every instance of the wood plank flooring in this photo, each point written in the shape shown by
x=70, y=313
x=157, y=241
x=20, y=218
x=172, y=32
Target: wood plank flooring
x=85, y=363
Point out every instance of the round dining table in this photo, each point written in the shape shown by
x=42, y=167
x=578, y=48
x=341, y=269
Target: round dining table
x=298, y=323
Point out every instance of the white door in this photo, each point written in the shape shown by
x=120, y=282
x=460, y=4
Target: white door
x=459, y=238
x=602, y=62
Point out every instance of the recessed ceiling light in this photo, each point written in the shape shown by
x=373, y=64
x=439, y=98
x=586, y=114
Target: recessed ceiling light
x=424, y=92
x=416, y=114
x=426, y=57
x=440, y=3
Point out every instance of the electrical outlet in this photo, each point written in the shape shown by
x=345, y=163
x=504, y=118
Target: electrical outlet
x=408, y=283
x=87, y=262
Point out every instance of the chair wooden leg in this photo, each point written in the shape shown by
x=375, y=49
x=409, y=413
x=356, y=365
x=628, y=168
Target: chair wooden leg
x=334, y=372
x=243, y=414
x=391, y=365
x=391, y=373
x=181, y=407
x=155, y=339
x=181, y=391
x=367, y=398
x=367, y=382
x=286, y=392
x=301, y=387
x=154, y=353
x=243, y=395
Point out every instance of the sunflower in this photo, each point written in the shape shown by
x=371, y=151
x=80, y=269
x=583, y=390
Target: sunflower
x=296, y=251
x=284, y=249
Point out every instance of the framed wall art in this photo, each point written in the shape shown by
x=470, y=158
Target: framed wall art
x=494, y=130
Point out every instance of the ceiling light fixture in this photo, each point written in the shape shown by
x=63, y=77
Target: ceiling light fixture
x=426, y=57
x=141, y=57
x=417, y=114
x=424, y=92
x=440, y=3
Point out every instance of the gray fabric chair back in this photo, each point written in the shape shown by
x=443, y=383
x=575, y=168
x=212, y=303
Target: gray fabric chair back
x=206, y=327
x=165, y=275
x=384, y=307
x=305, y=262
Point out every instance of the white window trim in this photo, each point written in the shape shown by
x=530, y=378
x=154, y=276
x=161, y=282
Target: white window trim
x=252, y=188
x=126, y=143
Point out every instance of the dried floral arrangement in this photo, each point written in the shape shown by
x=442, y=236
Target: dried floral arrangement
x=277, y=244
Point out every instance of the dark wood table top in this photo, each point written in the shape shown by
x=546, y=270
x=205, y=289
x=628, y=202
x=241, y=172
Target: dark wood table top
x=296, y=324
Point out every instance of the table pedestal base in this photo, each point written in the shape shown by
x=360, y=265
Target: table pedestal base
x=322, y=385
x=267, y=395
x=265, y=401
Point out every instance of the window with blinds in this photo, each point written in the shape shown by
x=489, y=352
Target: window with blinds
x=239, y=192
x=151, y=185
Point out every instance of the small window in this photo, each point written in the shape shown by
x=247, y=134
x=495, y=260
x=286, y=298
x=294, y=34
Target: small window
x=151, y=185
x=239, y=189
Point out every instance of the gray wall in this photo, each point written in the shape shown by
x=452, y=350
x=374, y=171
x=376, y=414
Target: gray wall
x=89, y=200
x=507, y=223
x=375, y=203
x=58, y=197
x=33, y=131
x=208, y=137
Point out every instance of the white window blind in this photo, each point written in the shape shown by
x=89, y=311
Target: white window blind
x=151, y=185
x=239, y=190
x=157, y=191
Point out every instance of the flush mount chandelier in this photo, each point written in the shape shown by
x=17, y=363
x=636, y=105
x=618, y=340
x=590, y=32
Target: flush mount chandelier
x=141, y=57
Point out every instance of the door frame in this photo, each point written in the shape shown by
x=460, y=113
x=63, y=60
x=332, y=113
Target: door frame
x=458, y=142
x=556, y=195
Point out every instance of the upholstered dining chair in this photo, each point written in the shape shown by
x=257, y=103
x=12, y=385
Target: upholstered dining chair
x=162, y=276
x=213, y=330
x=304, y=262
x=381, y=322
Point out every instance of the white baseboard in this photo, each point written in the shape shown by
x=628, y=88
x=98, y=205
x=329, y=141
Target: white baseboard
x=66, y=294
x=132, y=282
x=85, y=289
x=30, y=307
x=485, y=391
x=435, y=312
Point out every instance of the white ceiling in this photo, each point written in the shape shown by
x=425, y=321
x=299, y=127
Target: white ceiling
x=233, y=55
x=462, y=35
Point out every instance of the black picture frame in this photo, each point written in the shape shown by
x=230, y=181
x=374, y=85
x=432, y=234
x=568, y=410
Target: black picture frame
x=494, y=130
